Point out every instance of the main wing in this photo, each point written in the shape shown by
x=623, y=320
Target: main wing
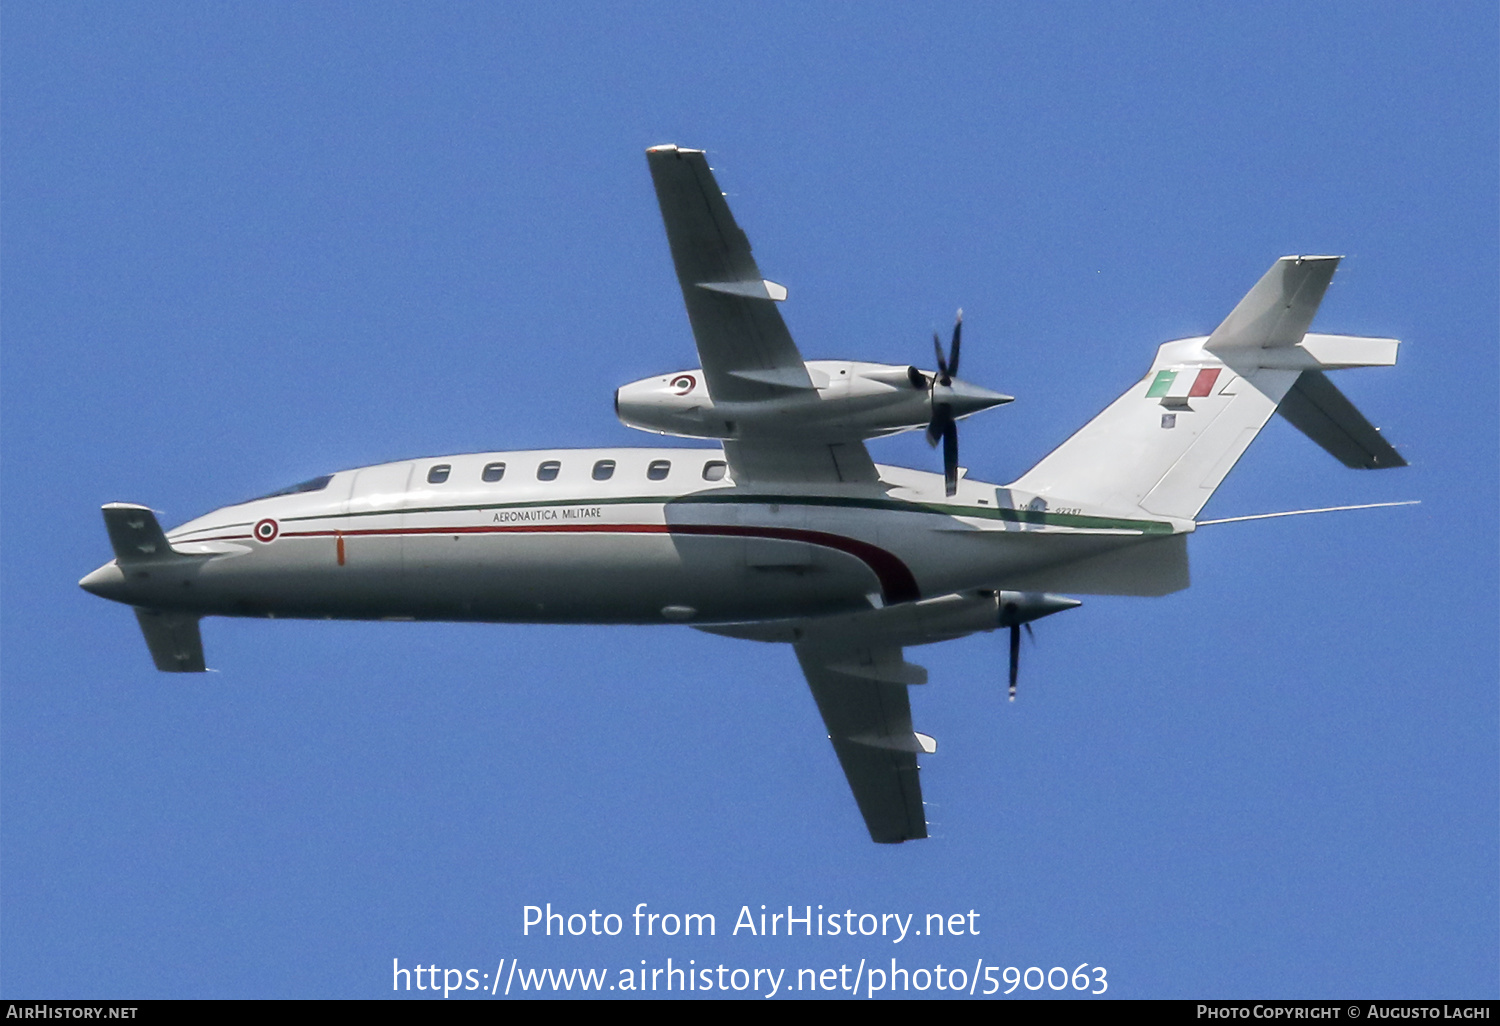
x=747, y=354
x=855, y=667
x=868, y=716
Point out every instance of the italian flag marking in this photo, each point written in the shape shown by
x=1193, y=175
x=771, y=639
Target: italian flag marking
x=1183, y=383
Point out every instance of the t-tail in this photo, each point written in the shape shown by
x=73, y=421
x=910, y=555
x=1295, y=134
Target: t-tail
x=1165, y=445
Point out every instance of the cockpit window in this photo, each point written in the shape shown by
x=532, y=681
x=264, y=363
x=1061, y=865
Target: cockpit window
x=316, y=484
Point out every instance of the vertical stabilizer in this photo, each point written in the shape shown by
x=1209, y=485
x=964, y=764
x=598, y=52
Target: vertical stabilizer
x=1165, y=445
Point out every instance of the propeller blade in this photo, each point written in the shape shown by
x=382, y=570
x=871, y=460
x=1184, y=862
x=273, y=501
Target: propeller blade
x=942, y=420
x=937, y=347
x=1015, y=657
x=950, y=455
x=958, y=327
x=916, y=377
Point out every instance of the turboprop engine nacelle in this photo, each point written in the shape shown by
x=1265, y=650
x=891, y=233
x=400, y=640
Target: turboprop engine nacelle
x=848, y=399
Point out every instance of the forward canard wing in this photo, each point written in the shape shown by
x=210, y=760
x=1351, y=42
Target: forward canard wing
x=141, y=549
x=175, y=641
x=747, y=354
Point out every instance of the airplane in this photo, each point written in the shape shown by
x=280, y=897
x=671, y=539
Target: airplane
x=789, y=533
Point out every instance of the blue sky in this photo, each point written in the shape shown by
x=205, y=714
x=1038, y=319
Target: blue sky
x=247, y=244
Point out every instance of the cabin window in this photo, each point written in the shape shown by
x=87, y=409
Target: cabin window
x=548, y=471
x=493, y=471
x=604, y=470
x=714, y=470
x=439, y=473
x=658, y=470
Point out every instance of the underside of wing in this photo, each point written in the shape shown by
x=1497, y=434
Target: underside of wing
x=747, y=352
x=863, y=701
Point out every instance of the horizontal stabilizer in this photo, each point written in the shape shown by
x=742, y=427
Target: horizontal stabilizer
x=1320, y=411
x=134, y=533
x=175, y=642
x=1334, y=352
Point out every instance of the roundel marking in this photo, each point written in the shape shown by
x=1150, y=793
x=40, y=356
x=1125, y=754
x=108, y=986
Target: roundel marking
x=682, y=384
x=266, y=530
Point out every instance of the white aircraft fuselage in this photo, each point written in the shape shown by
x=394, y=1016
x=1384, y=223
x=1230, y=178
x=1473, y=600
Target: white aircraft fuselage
x=411, y=541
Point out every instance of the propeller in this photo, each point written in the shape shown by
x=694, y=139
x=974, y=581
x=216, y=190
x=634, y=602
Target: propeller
x=1017, y=609
x=1015, y=653
x=950, y=399
x=944, y=425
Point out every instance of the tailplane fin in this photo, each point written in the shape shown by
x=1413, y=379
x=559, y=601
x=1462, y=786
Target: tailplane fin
x=1165, y=445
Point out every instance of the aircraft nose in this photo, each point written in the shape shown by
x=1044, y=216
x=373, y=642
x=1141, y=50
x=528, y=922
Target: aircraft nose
x=106, y=582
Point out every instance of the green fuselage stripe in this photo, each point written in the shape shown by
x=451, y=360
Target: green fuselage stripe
x=1014, y=516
